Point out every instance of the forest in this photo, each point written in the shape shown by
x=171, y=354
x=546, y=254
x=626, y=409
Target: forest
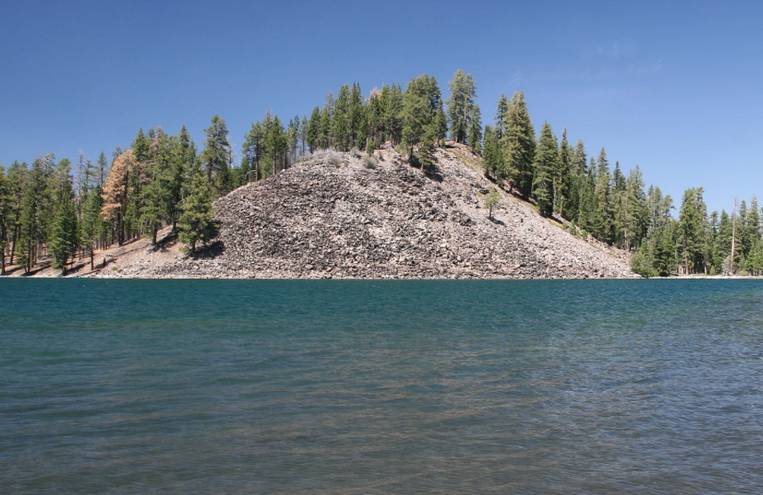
x=58, y=209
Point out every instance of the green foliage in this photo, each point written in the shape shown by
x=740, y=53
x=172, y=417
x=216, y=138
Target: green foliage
x=691, y=231
x=422, y=113
x=5, y=200
x=562, y=176
x=546, y=162
x=195, y=224
x=314, y=130
x=463, y=113
x=491, y=201
x=491, y=153
x=642, y=262
x=216, y=156
x=518, y=144
x=62, y=240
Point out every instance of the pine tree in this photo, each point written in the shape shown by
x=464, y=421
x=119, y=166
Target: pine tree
x=4, y=217
x=252, y=153
x=326, y=123
x=340, y=125
x=602, y=222
x=91, y=225
x=116, y=194
x=393, y=103
x=140, y=147
x=314, y=130
x=519, y=145
x=357, y=118
x=33, y=213
x=62, y=240
x=292, y=138
x=691, y=231
x=475, y=131
x=502, y=117
x=665, y=250
x=16, y=180
x=422, y=112
x=562, y=176
x=461, y=106
x=196, y=220
x=491, y=153
x=577, y=174
x=216, y=156
x=102, y=168
x=546, y=162
x=637, y=211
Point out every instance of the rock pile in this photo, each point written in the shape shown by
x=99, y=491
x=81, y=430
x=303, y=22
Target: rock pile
x=347, y=216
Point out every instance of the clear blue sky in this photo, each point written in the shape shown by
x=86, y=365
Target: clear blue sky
x=676, y=87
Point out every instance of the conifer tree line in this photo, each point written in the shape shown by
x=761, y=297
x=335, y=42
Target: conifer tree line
x=49, y=211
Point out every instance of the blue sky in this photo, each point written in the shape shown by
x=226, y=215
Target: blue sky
x=676, y=87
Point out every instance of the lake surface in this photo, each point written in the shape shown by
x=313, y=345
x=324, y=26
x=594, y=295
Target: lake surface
x=287, y=387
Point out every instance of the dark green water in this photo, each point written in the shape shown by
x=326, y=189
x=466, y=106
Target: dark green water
x=381, y=387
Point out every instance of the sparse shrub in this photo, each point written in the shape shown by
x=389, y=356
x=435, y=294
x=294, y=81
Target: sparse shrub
x=642, y=262
x=369, y=162
x=491, y=200
x=333, y=160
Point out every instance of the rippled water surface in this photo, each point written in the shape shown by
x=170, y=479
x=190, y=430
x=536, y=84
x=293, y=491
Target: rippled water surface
x=285, y=387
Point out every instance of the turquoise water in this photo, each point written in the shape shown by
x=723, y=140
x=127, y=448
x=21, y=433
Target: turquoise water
x=381, y=387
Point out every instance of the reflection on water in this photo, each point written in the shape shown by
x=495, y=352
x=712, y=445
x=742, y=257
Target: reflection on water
x=381, y=387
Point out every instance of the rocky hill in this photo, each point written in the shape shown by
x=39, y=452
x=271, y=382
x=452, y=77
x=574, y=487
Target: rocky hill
x=349, y=216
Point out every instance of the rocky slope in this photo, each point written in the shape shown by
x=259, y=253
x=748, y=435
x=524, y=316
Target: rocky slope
x=345, y=216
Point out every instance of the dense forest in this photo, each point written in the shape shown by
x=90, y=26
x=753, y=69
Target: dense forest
x=48, y=209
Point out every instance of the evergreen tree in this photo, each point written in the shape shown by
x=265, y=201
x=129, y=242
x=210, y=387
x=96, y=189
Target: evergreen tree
x=140, y=146
x=33, y=214
x=665, y=250
x=4, y=217
x=252, y=152
x=562, y=176
x=102, y=168
x=216, y=156
x=341, y=135
x=16, y=181
x=357, y=118
x=393, y=103
x=314, y=130
x=375, y=120
x=475, y=131
x=422, y=112
x=274, y=146
x=196, y=220
x=546, y=162
x=637, y=212
x=491, y=153
x=643, y=262
x=602, y=213
x=577, y=175
x=461, y=106
x=62, y=240
x=91, y=225
x=502, y=117
x=519, y=145
x=292, y=138
x=326, y=123
x=691, y=231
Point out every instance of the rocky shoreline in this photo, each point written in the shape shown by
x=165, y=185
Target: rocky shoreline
x=340, y=215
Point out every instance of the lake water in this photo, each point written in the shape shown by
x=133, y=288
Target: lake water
x=356, y=387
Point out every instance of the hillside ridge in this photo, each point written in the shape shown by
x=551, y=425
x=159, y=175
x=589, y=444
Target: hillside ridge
x=347, y=215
